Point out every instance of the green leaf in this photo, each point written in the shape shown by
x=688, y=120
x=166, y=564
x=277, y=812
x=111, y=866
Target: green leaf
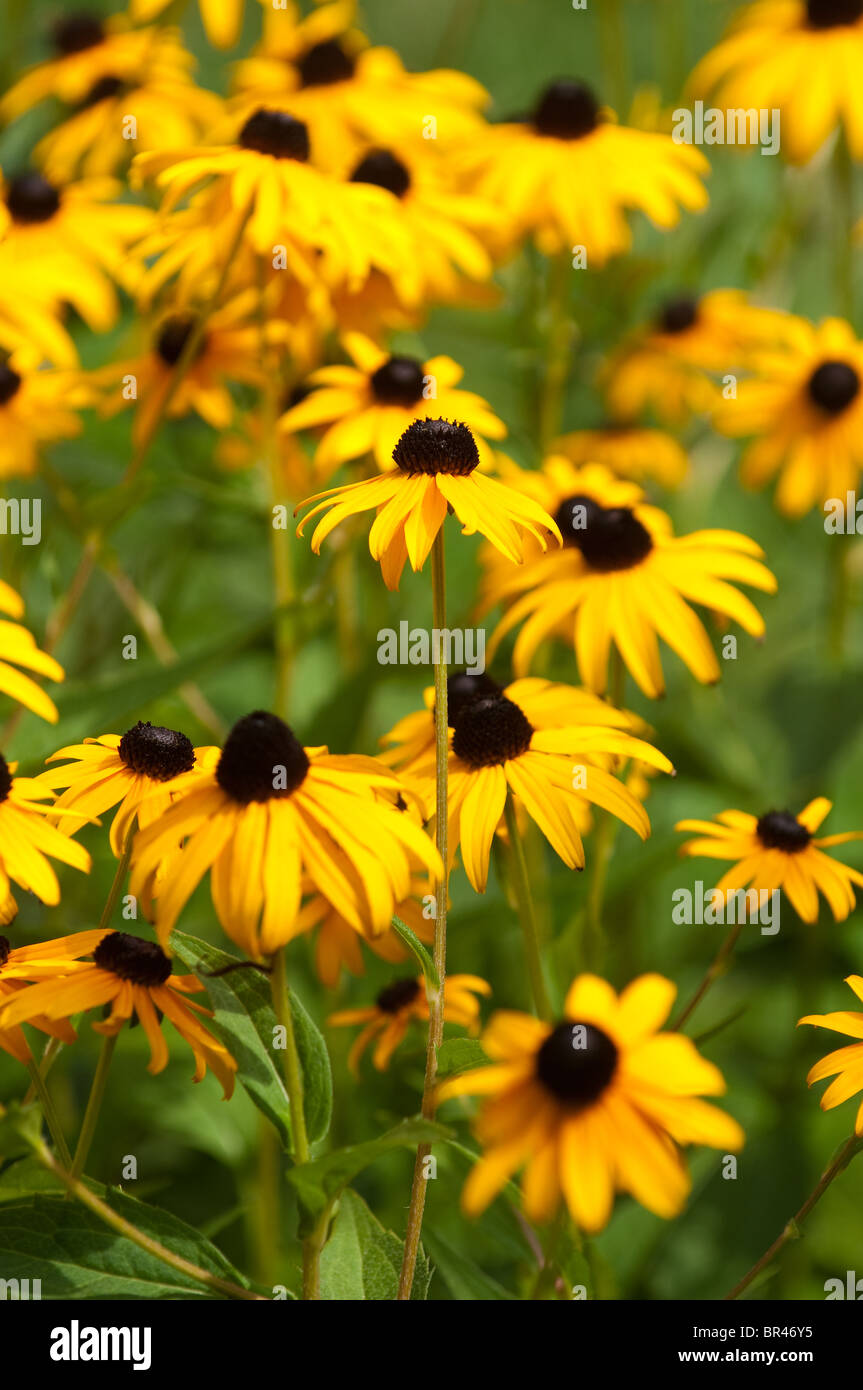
x=45, y=1236
x=416, y=947
x=244, y=1020
x=317, y=1184
x=458, y=1055
x=363, y=1261
x=465, y=1280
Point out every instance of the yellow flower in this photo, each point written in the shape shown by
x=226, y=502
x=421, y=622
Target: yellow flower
x=26, y=841
x=596, y=1103
x=339, y=944
x=18, y=646
x=22, y=964
x=366, y=408
x=623, y=577
x=569, y=174
x=221, y=18
x=134, y=977
x=630, y=451
x=37, y=406
x=266, y=815
x=61, y=244
x=800, y=56
x=846, y=1064
x=400, y=1002
x=778, y=850
x=436, y=463
x=804, y=407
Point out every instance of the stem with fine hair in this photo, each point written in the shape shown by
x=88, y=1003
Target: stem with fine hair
x=94, y=1105
x=790, y=1232
x=527, y=915
x=52, y=1119
x=435, y=996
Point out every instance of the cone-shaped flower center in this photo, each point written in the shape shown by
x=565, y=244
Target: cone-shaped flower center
x=678, y=314
x=399, y=381
x=385, y=171
x=5, y=948
x=609, y=538
x=142, y=962
x=103, y=89
x=398, y=996
x=5, y=778
x=576, y=1062
x=325, y=63
x=781, y=830
x=829, y=14
x=75, y=32
x=9, y=383
x=462, y=689
x=276, y=133
x=31, y=198
x=436, y=446
x=567, y=110
x=155, y=752
x=261, y=759
x=173, y=337
x=489, y=731
x=833, y=386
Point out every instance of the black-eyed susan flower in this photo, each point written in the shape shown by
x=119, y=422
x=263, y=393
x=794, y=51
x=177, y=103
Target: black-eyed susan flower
x=846, y=1064
x=127, y=90
x=221, y=18
x=598, y=1103
x=398, y=1003
x=436, y=463
x=18, y=648
x=366, y=408
x=779, y=850
x=622, y=577
x=134, y=977
x=800, y=56
x=26, y=842
x=64, y=244
x=19, y=966
x=37, y=406
x=551, y=771
x=137, y=771
x=803, y=410
x=266, y=815
x=569, y=174
x=672, y=366
x=630, y=451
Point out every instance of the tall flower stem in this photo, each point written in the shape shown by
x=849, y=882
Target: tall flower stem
x=435, y=997
x=604, y=836
x=280, y=543
x=51, y=1117
x=94, y=1105
x=559, y=337
x=527, y=915
x=791, y=1230
x=717, y=967
x=117, y=883
x=843, y=178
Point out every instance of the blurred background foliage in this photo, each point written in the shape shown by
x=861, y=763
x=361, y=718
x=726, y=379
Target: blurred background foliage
x=785, y=724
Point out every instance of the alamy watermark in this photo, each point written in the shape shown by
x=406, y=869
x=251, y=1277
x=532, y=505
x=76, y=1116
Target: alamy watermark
x=419, y=646
x=729, y=906
x=21, y=517
x=739, y=126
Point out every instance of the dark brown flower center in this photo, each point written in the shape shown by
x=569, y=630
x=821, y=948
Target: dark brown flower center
x=103, y=90
x=277, y=134
x=397, y=996
x=173, y=337
x=10, y=381
x=781, y=830
x=463, y=689
x=31, y=198
x=833, y=386
x=385, y=171
x=576, y=1063
x=399, y=381
x=489, y=731
x=678, y=314
x=829, y=14
x=567, y=110
x=261, y=759
x=5, y=778
x=436, y=446
x=609, y=538
x=325, y=63
x=155, y=752
x=76, y=32
x=130, y=958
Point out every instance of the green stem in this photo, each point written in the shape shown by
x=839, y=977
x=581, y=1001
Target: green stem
x=604, y=836
x=94, y=1105
x=117, y=884
x=615, y=60
x=52, y=1120
x=527, y=915
x=416, y=1208
x=559, y=340
x=791, y=1230
x=717, y=967
x=843, y=174
x=280, y=540
x=839, y=593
